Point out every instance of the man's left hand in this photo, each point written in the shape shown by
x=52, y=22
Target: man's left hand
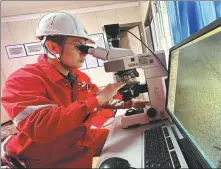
x=138, y=104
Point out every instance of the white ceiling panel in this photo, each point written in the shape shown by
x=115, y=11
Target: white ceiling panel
x=14, y=8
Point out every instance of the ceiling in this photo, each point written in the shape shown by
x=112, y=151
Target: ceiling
x=14, y=8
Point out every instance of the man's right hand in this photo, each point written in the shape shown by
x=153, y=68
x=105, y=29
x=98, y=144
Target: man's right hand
x=109, y=92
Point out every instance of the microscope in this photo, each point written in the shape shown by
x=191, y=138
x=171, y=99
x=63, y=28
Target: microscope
x=124, y=63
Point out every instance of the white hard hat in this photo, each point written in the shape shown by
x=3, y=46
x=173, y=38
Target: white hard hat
x=60, y=23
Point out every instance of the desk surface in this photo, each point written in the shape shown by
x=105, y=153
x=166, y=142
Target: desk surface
x=125, y=143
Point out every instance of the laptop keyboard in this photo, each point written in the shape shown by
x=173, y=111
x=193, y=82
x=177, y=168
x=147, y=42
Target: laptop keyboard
x=157, y=154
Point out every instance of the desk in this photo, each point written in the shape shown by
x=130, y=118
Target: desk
x=125, y=143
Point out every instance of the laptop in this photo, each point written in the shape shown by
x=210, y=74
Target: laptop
x=192, y=136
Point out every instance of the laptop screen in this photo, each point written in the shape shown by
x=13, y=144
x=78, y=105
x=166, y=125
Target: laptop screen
x=194, y=91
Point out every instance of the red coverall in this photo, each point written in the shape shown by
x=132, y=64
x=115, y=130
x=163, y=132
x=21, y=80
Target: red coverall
x=53, y=119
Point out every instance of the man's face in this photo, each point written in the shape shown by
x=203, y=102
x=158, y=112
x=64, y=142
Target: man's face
x=71, y=56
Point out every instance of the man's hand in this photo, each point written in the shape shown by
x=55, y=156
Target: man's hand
x=117, y=104
x=108, y=93
x=138, y=104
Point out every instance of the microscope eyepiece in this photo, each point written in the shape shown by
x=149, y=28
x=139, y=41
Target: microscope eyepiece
x=84, y=48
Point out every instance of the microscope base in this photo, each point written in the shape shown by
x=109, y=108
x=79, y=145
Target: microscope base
x=139, y=119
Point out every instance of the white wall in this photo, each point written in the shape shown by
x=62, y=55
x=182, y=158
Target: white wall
x=19, y=32
x=4, y=115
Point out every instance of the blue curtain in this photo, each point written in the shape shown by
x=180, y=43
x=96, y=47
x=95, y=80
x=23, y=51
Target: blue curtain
x=188, y=17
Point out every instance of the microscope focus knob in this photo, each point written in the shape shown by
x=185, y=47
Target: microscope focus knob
x=151, y=112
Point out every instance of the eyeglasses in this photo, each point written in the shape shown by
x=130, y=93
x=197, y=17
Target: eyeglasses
x=77, y=45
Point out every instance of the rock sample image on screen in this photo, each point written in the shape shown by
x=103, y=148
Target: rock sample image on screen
x=198, y=94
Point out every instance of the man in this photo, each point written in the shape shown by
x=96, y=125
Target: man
x=52, y=103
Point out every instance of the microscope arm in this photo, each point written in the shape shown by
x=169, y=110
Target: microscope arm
x=155, y=76
x=124, y=60
x=105, y=54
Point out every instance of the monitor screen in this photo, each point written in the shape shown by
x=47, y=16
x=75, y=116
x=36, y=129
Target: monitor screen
x=194, y=94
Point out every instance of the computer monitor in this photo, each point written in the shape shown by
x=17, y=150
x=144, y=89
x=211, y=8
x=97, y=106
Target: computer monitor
x=194, y=91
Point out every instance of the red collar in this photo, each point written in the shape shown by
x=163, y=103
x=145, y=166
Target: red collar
x=48, y=69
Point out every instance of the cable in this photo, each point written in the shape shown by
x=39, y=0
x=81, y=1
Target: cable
x=147, y=48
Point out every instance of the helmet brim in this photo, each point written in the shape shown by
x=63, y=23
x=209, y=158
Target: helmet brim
x=88, y=39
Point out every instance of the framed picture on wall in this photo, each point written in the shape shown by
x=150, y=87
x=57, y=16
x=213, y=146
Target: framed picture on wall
x=15, y=51
x=34, y=48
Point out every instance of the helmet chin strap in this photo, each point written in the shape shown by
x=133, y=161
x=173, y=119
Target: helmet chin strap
x=62, y=63
x=60, y=58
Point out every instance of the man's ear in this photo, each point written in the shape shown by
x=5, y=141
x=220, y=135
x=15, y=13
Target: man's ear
x=53, y=47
